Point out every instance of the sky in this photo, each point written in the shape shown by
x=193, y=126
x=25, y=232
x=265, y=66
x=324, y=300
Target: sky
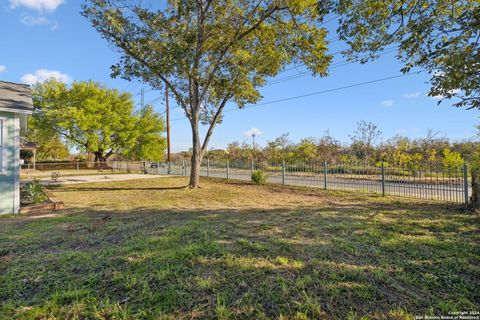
x=49, y=38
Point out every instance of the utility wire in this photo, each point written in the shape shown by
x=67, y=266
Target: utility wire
x=287, y=78
x=333, y=66
x=322, y=92
x=299, y=65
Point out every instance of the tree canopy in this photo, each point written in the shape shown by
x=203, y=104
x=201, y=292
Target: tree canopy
x=98, y=120
x=49, y=143
x=149, y=144
x=440, y=36
x=209, y=52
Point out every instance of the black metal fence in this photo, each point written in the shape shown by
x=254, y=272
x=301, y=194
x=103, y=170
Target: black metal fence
x=449, y=185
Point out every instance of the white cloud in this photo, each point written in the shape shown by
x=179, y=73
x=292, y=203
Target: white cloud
x=44, y=74
x=387, y=103
x=34, y=21
x=38, y=21
x=412, y=95
x=38, y=5
x=252, y=131
x=3, y=69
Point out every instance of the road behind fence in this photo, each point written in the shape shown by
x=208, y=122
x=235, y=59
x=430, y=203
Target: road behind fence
x=448, y=185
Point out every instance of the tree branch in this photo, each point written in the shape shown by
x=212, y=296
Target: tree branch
x=214, y=122
x=122, y=45
x=238, y=36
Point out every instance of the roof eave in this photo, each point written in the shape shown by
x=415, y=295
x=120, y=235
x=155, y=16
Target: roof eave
x=16, y=110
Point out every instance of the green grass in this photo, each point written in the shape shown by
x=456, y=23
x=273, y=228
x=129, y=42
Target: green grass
x=152, y=249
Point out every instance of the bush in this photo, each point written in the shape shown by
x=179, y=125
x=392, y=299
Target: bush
x=55, y=175
x=34, y=192
x=259, y=177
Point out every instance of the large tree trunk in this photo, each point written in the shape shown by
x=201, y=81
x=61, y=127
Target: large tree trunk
x=99, y=156
x=197, y=155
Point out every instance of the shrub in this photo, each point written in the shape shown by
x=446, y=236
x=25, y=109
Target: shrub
x=259, y=177
x=34, y=191
x=55, y=175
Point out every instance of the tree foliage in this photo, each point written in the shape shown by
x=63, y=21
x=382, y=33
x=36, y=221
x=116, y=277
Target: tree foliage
x=96, y=119
x=210, y=52
x=49, y=143
x=441, y=36
x=150, y=144
x=452, y=161
x=428, y=153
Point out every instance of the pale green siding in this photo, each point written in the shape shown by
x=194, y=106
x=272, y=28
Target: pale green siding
x=7, y=181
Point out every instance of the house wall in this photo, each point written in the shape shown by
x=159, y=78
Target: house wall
x=9, y=181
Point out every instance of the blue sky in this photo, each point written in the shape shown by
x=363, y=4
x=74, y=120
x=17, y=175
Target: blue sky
x=42, y=38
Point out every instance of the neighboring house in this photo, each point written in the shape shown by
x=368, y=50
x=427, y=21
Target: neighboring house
x=15, y=105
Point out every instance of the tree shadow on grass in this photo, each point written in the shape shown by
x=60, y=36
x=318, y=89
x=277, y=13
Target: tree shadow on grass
x=327, y=262
x=108, y=189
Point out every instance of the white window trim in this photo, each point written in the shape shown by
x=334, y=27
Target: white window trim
x=3, y=147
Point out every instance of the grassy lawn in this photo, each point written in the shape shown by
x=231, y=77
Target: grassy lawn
x=150, y=249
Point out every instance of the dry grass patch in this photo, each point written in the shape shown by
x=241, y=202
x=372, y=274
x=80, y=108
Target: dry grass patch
x=151, y=249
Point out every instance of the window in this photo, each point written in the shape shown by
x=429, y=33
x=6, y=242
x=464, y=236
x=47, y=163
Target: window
x=3, y=146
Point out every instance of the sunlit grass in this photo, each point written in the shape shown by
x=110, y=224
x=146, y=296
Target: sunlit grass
x=151, y=249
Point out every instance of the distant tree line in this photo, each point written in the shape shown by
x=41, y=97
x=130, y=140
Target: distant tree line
x=365, y=148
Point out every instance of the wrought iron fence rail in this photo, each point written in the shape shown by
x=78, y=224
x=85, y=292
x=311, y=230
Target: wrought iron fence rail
x=446, y=185
x=449, y=185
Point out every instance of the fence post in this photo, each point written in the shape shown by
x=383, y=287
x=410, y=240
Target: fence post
x=383, y=179
x=283, y=172
x=78, y=166
x=325, y=170
x=228, y=169
x=252, y=166
x=184, y=169
x=169, y=168
x=208, y=167
x=465, y=182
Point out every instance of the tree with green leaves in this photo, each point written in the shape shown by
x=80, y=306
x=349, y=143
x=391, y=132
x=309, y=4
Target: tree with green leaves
x=210, y=52
x=452, y=161
x=279, y=149
x=306, y=150
x=440, y=36
x=150, y=144
x=97, y=120
x=49, y=143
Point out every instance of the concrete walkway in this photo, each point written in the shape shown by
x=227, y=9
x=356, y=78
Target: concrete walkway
x=96, y=178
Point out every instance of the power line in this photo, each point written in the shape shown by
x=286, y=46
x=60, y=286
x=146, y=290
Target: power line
x=333, y=66
x=302, y=64
x=330, y=20
x=154, y=100
x=292, y=77
x=322, y=92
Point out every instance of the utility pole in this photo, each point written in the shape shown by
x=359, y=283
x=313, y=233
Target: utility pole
x=253, y=146
x=168, y=123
